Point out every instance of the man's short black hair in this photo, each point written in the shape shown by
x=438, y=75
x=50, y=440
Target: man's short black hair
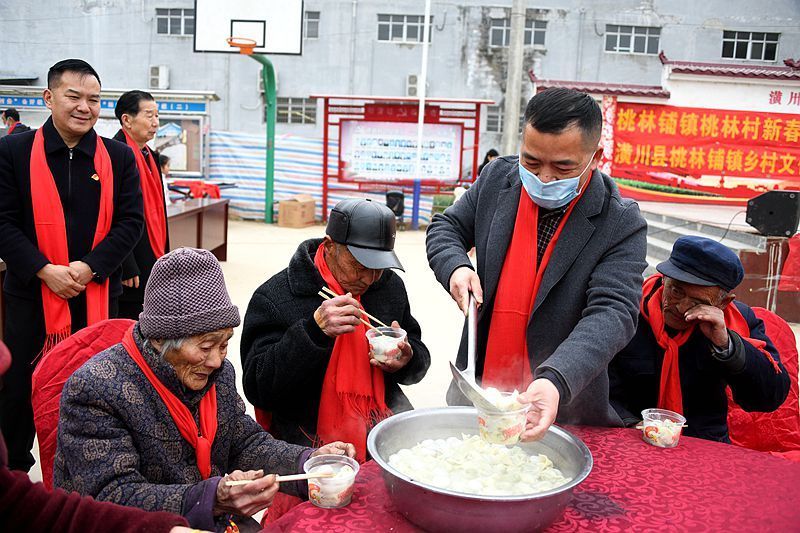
x=163, y=159
x=557, y=109
x=11, y=113
x=69, y=65
x=128, y=103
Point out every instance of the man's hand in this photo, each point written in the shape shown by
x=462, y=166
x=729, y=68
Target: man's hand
x=543, y=397
x=395, y=359
x=338, y=315
x=84, y=272
x=132, y=283
x=336, y=448
x=62, y=280
x=245, y=500
x=711, y=321
x=463, y=281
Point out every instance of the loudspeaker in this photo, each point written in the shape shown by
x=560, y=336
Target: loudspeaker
x=775, y=213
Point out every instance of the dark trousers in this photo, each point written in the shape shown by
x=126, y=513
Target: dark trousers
x=129, y=308
x=24, y=335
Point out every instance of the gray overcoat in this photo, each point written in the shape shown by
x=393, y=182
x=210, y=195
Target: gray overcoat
x=588, y=304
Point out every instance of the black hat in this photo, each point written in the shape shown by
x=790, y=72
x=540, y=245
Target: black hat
x=368, y=230
x=702, y=261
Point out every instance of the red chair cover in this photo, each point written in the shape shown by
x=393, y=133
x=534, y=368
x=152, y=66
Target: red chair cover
x=778, y=431
x=53, y=371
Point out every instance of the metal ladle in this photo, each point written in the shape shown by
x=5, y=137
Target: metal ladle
x=466, y=378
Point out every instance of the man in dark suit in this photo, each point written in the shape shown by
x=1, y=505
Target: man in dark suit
x=10, y=118
x=137, y=113
x=70, y=212
x=560, y=257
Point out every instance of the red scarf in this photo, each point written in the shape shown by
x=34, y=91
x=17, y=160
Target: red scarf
x=201, y=440
x=669, y=390
x=507, y=365
x=11, y=128
x=155, y=218
x=352, y=397
x=51, y=236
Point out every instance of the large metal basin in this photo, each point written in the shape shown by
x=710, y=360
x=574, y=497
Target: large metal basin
x=436, y=509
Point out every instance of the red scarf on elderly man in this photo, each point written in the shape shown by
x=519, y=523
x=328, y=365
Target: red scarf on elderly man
x=507, y=365
x=353, y=391
x=51, y=236
x=669, y=391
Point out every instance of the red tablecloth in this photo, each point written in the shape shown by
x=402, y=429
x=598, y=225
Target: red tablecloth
x=698, y=486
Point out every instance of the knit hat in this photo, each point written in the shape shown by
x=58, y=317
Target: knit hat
x=186, y=296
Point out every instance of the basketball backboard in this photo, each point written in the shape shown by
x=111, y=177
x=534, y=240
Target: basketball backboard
x=275, y=25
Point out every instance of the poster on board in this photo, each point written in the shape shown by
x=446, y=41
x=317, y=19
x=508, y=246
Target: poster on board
x=383, y=151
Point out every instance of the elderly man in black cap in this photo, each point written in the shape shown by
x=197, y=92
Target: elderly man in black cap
x=306, y=360
x=694, y=339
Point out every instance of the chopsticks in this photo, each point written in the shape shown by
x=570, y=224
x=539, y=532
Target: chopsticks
x=332, y=293
x=368, y=324
x=293, y=477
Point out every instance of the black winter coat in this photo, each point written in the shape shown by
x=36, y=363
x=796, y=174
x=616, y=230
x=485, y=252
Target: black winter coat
x=140, y=262
x=285, y=354
x=635, y=375
x=80, y=198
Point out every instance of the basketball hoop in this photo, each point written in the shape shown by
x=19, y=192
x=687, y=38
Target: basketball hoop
x=245, y=46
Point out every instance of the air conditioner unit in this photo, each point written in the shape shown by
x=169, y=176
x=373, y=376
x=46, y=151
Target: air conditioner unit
x=159, y=77
x=411, y=84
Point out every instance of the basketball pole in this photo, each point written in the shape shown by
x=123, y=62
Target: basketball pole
x=270, y=115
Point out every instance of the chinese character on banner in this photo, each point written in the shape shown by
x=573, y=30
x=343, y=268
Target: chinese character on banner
x=751, y=161
x=787, y=160
x=623, y=154
x=768, y=161
x=794, y=98
x=626, y=120
x=772, y=129
x=791, y=131
x=642, y=155
x=647, y=121
x=659, y=156
x=751, y=127
x=689, y=125
x=697, y=158
x=733, y=161
x=716, y=159
x=668, y=122
x=709, y=126
x=730, y=127
x=678, y=157
x=775, y=97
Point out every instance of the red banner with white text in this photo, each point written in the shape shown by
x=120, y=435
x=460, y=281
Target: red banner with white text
x=696, y=141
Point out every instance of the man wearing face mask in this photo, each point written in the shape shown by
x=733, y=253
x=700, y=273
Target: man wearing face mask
x=307, y=360
x=560, y=257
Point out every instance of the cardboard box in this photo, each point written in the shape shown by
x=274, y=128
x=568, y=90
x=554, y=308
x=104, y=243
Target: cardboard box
x=297, y=211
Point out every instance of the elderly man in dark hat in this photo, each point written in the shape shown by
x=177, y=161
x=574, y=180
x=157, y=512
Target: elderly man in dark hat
x=306, y=360
x=694, y=339
x=155, y=421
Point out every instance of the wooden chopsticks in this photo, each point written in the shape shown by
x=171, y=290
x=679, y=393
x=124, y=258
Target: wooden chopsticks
x=331, y=294
x=281, y=479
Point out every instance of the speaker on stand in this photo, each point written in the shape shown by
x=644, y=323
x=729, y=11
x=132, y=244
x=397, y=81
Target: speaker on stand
x=774, y=214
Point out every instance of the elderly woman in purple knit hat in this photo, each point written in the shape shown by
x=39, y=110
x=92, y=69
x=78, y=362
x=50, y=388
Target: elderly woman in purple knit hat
x=155, y=421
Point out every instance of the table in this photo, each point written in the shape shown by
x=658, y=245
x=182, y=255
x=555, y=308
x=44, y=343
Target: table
x=698, y=486
x=199, y=223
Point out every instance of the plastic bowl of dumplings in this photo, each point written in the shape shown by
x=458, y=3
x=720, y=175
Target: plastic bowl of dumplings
x=505, y=424
x=331, y=492
x=383, y=341
x=661, y=427
x=461, y=509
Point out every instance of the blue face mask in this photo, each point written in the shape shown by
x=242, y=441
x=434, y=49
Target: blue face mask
x=557, y=193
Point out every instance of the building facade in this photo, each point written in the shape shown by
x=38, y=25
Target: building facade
x=373, y=47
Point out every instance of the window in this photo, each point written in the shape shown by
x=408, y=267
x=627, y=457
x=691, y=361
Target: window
x=311, y=25
x=402, y=28
x=297, y=110
x=632, y=39
x=175, y=21
x=494, y=119
x=757, y=46
x=500, y=32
